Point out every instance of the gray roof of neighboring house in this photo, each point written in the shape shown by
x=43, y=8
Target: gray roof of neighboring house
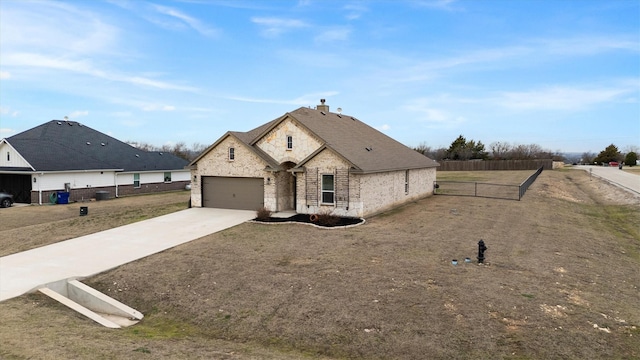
x=367, y=149
x=60, y=145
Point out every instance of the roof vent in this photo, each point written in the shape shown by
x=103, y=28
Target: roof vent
x=88, y=143
x=160, y=154
x=66, y=118
x=340, y=116
x=103, y=144
x=59, y=123
x=70, y=124
x=368, y=148
x=323, y=113
x=137, y=155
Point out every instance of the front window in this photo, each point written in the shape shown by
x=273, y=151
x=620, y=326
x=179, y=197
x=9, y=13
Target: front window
x=136, y=180
x=167, y=176
x=327, y=189
x=232, y=154
x=289, y=142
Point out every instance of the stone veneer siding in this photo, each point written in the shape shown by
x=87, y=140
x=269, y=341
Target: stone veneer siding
x=86, y=194
x=274, y=143
x=368, y=193
x=246, y=164
x=326, y=162
x=382, y=191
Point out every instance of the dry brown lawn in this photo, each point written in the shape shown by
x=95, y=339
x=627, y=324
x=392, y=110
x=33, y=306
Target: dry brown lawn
x=562, y=281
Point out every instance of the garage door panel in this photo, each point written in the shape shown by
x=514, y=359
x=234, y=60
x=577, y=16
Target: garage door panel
x=232, y=192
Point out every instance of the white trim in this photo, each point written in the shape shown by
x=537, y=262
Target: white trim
x=17, y=153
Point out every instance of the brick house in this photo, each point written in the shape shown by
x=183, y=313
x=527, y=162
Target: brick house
x=67, y=156
x=310, y=161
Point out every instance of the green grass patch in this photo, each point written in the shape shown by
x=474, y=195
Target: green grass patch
x=622, y=221
x=159, y=327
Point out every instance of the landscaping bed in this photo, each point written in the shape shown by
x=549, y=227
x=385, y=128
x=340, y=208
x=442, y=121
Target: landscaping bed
x=333, y=221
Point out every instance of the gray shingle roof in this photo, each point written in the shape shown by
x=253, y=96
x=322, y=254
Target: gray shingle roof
x=60, y=145
x=366, y=148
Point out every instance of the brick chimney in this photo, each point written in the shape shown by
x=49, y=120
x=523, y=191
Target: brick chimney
x=322, y=106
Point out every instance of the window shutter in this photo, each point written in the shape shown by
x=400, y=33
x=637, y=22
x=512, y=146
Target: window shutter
x=311, y=179
x=342, y=188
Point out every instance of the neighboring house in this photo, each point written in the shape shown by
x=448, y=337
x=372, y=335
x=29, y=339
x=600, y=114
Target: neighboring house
x=61, y=155
x=311, y=161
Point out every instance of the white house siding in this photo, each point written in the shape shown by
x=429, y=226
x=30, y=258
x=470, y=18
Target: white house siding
x=15, y=160
x=274, y=143
x=76, y=180
x=382, y=191
x=246, y=164
x=83, y=185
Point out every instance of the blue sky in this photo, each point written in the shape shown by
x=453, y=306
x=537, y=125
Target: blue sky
x=561, y=74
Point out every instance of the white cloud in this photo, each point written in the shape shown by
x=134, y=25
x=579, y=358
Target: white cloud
x=355, y=10
x=78, y=113
x=383, y=127
x=304, y=100
x=183, y=18
x=5, y=75
x=333, y=35
x=8, y=111
x=560, y=98
x=439, y=4
x=83, y=66
x=273, y=27
x=433, y=116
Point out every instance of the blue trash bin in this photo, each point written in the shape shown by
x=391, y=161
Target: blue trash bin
x=63, y=197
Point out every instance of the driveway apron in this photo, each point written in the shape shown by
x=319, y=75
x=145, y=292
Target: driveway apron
x=92, y=254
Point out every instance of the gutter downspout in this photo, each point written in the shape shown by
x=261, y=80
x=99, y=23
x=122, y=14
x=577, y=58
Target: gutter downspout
x=39, y=190
x=115, y=180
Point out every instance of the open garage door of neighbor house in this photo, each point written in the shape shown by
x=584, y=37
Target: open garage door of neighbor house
x=232, y=192
x=17, y=185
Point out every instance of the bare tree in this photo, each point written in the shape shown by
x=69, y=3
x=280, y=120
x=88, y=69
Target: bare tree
x=500, y=150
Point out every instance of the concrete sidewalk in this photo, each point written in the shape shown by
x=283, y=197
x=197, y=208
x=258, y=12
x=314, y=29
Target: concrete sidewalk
x=612, y=174
x=92, y=254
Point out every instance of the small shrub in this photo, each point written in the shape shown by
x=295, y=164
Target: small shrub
x=263, y=213
x=326, y=218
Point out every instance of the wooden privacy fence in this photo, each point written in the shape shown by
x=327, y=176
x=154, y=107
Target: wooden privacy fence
x=488, y=190
x=490, y=165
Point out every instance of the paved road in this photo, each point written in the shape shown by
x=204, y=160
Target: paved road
x=615, y=176
x=92, y=254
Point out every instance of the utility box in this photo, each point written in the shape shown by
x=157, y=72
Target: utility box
x=84, y=210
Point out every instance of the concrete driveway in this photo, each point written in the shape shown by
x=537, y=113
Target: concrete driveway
x=615, y=176
x=92, y=254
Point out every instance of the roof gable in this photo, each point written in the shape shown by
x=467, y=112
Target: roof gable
x=243, y=139
x=368, y=149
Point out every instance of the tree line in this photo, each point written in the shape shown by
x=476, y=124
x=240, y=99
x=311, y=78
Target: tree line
x=179, y=149
x=463, y=149
x=612, y=154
